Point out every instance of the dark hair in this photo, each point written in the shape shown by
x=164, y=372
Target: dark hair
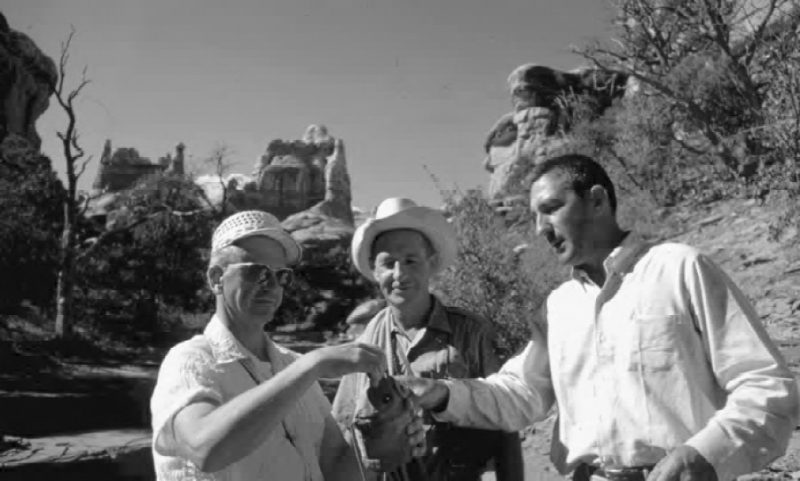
x=584, y=173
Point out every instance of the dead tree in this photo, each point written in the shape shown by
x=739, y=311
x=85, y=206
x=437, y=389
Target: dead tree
x=220, y=164
x=75, y=167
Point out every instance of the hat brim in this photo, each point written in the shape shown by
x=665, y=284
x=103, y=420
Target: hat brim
x=425, y=220
x=293, y=250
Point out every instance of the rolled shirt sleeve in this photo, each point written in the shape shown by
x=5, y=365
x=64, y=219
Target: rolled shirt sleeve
x=520, y=394
x=186, y=376
x=761, y=410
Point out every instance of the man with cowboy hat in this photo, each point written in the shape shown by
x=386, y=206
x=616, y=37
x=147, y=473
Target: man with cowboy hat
x=230, y=403
x=400, y=249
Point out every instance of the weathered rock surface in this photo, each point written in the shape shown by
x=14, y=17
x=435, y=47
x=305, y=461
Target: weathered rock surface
x=337, y=201
x=307, y=176
x=290, y=176
x=327, y=223
x=318, y=231
x=124, y=167
x=26, y=79
x=537, y=128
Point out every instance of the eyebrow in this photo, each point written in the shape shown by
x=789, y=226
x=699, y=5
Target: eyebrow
x=549, y=202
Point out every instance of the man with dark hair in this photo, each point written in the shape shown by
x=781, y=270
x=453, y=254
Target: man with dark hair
x=583, y=173
x=658, y=364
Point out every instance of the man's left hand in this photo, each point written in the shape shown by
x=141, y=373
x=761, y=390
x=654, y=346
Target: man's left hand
x=683, y=464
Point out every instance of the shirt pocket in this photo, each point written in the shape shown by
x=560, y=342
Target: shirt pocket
x=654, y=342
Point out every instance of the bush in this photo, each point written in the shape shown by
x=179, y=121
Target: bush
x=326, y=289
x=30, y=228
x=136, y=281
x=502, y=273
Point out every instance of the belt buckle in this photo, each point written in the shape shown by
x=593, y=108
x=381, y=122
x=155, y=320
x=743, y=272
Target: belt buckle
x=626, y=473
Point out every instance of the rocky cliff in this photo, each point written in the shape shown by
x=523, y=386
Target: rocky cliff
x=537, y=127
x=124, y=167
x=26, y=79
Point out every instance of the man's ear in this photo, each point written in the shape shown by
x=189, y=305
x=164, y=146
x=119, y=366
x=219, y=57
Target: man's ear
x=435, y=260
x=599, y=197
x=214, y=278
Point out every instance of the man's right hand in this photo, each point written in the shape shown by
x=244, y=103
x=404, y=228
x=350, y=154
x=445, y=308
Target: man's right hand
x=431, y=394
x=336, y=361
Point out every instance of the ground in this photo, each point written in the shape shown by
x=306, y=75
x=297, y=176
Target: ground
x=85, y=416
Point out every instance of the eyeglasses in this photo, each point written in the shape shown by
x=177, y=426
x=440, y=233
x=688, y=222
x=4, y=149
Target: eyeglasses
x=263, y=274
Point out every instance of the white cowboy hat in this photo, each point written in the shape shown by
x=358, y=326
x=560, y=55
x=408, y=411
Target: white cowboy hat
x=399, y=213
x=250, y=223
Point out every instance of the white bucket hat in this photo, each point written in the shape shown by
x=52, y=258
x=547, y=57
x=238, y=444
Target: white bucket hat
x=250, y=223
x=399, y=213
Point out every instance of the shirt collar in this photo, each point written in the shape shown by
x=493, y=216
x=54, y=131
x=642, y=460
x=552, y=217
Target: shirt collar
x=226, y=347
x=620, y=260
x=437, y=318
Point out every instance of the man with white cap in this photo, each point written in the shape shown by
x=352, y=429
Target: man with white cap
x=230, y=404
x=400, y=249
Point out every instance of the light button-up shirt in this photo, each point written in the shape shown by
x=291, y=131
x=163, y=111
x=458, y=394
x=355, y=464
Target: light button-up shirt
x=668, y=352
x=211, y=367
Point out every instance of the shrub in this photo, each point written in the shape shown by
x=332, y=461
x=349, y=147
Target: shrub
x=327, y=287
x=136, y=280
x=30, y=228
x=502, y=272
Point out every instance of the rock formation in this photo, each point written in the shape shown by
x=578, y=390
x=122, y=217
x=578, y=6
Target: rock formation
x=306, y=176
x=123, y=168
x=26, y=79
x=536, y=129
x=329, y=221
x=292, y=176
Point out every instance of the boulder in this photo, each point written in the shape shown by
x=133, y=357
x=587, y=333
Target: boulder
x=538, y=126
x=317, y=231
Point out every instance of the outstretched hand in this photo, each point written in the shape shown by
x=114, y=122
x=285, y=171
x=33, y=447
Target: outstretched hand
x=336, y=361
x=683, y=464
x=428, y=393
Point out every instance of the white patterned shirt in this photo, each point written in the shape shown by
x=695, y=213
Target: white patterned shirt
x=209, y=367
x=668, y=352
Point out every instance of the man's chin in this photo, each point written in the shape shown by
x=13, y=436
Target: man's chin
x=266, y=309
x=399, y=298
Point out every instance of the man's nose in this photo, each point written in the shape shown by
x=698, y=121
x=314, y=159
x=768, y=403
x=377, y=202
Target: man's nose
x=542, y=225
x=399, y=270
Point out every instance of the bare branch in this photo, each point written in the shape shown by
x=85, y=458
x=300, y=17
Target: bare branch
x=82, y=167
x=697, y=112
x=758, y=34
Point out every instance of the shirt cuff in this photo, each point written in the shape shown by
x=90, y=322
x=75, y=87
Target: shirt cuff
x=457, y=402
x=719, y=450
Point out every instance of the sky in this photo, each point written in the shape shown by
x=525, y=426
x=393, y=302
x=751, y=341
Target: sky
x=411, y=86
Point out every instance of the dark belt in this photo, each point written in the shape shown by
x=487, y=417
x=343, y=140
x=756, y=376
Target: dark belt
x=585, y=471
